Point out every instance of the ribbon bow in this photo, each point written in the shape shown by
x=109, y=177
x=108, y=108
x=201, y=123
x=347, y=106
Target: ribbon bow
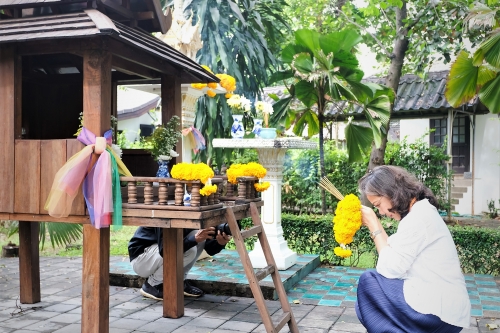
x=101, y=184
x=195, y=138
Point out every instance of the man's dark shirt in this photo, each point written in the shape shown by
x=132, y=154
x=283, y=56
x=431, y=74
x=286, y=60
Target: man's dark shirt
x=146, y=236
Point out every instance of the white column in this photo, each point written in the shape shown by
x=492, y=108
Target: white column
x=273, y=161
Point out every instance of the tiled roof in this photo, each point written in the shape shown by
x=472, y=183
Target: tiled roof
x=90, y=23
x=416, y=98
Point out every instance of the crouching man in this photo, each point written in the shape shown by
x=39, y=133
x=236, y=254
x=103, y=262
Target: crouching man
x=145, y=250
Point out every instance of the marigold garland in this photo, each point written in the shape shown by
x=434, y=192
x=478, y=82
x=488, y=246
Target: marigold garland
x=189, y=171
x=344, y=253
x=346, y=222
x=251, y=169
x=261, y=187
x=226, y=81
x=208, y=189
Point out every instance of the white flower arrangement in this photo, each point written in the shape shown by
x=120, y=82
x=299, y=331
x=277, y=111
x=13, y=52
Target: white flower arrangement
x=239, y=104
x=266, y=109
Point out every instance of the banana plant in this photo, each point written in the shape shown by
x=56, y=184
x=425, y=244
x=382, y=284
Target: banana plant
x=324, y=72
x=477, y=74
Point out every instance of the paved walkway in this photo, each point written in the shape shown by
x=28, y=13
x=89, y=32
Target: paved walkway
x=60, y=309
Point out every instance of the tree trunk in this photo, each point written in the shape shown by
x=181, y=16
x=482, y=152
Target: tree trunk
x=322, y=161
x=393, y=77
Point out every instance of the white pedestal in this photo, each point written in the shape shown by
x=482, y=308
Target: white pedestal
x=271, y=156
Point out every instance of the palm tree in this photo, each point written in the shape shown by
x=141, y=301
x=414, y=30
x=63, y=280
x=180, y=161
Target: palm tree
x=323, y=71
x=478, y=74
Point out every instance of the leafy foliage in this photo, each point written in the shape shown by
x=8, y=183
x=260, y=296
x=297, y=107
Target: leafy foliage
x=478, y=73
x=426, y=162
x=313, y=234
x=478, y=249
x=165, y=138
x=301, y=192
x=241, y=39
x=59, y=233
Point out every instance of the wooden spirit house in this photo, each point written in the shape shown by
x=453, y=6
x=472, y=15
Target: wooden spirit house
x=63, y=58
x=60, y=59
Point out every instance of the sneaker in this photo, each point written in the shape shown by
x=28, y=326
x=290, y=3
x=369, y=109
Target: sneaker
x=154, y=292
x=192, y=291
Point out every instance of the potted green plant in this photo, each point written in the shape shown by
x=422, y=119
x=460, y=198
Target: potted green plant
x=162, y=143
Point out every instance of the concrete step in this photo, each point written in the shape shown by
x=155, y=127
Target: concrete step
x=222, y=274
x=462, y=182
x=457, y=189
x=455, y=201
x=457, y=195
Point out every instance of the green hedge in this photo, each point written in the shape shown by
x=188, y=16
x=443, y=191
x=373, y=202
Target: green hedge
x=478, y=248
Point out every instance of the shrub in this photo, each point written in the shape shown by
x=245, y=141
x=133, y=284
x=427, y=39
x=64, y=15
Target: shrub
x=301, y=193
x=427, y=163
x=478, y=248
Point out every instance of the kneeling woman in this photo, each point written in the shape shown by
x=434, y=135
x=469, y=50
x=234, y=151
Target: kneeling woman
x=418, y=285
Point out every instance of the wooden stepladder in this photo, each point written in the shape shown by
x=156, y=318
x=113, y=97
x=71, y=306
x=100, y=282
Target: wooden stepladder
x=254, y=277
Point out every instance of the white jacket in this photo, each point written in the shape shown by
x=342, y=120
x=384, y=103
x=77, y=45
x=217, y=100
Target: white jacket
x=423, y=254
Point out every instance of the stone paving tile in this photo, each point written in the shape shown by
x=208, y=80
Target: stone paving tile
x=238, y=326
x=218, y=314
x=130, y=312
x=348, y=327
x=130, y=324
x=205, y=322
x=74, y=328
x=68, y=318
x=45, y=326
x=61, y=307
x=317, y=323
x=17, y=323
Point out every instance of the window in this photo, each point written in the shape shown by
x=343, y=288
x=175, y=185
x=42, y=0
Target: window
x=439, y=135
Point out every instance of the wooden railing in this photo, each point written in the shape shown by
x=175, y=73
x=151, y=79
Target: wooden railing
x=168, y=193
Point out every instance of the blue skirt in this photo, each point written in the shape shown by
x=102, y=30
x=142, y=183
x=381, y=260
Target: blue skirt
x=381, y=308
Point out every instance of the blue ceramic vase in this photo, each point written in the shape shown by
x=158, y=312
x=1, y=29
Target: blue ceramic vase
x=163, y=169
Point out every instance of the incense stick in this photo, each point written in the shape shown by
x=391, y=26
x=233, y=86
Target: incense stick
x=326, y=184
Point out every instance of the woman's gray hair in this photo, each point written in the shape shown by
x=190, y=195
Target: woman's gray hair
x=398, y=185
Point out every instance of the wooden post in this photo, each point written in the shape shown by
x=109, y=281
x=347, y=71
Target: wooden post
x=29, y=262
x=7, y=115
x=96, y=115
x=173, y=274
x=171, y=104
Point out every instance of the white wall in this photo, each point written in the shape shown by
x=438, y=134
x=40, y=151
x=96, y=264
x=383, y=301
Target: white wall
x=414, y=129
x=131, y=126
x=487, y=162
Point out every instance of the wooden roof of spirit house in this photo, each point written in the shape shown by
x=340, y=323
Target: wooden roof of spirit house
x=60, y=58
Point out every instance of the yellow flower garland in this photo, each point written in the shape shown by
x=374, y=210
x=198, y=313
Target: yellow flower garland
x=226, y=81
x=251, y=169
x=261, y=187
x=346, y=222
x=208, y=189
x=200, y=171
x=189, y=171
